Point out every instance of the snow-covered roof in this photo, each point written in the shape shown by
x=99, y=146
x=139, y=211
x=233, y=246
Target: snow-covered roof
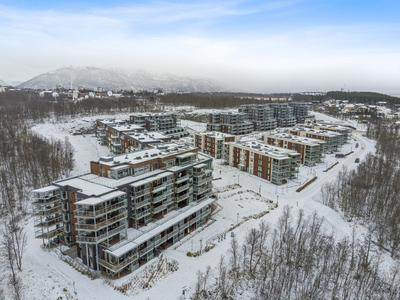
x=88, y=188
x=296, y=138
x=140, y=182
x=160, y=150
x=199, y=166
x=46, y=189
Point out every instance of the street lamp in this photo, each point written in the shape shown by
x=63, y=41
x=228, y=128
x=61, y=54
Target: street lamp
x=238, y=178
x=277, y=199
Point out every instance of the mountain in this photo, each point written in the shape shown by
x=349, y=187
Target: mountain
x=119, y=79
x=3, y=83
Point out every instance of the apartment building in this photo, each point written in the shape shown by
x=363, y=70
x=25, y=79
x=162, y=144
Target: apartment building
x=332, y=139
x=114, y=134
x=261, y=115
x=156, y=121
x=300, y=112
x=212, y=143
x=283, y=113
x=134, y=141
x=101, y=126
x=275, y=164
x=344, y=131
x=127, y=208
x=235, y=123
x=312, y=151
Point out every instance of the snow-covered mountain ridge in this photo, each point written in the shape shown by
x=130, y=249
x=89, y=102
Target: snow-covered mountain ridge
x=119, y=79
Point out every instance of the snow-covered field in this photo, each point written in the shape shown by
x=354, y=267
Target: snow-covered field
x=45, y=276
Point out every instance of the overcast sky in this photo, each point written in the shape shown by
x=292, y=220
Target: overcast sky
x=258, y=46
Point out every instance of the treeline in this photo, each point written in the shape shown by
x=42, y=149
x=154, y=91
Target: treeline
x=362, y=97
x=207, y=100
x=29, y=105
x=371, y=193
x=27, y=161
x=298, y=260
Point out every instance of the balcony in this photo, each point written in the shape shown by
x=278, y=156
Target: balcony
x=161, y=197
x=140, y=193
x=160, y=241
x=140, y=204
x=100, y=238
x=141, y=214
x=45, y=200
x=184, y=226
x=197, y=174
x=49, y=234
x=203, y=181
x=182, y=197
x=114, y=136
x=198, y=191
x=173, y=233
x=99, y=225
x=48, y=210
x=91, y=214
x=206, y=196
x=195, y=220
x=144, y=251
x=159, y=208
x=116, y=143
x=48, y=223
x=181, y=179
x=119, y=266
x=182, y=188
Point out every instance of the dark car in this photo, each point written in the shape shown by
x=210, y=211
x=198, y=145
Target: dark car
x=357, y=160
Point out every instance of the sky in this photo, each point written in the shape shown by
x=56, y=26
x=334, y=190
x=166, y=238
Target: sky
x=255, y=46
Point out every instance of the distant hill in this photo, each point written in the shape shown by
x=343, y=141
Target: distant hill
x=119, y=79
x=362, y=97
x=3, y=83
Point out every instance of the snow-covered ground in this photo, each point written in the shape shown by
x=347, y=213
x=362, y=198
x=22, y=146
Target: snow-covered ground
x=45, y=276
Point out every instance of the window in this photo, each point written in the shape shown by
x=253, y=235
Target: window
x=260, y=162
x=259, y=168
x=259, y=174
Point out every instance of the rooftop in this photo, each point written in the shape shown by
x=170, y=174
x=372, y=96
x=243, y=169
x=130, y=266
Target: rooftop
x=162, y=150
x=296, y=138
x=276, y=152
x=145, y=137
x=87, y=188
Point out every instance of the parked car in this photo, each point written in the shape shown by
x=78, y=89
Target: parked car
x=357, y=160
x=339, y=155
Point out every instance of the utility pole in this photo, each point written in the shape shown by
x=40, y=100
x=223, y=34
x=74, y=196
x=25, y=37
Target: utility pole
x=277, y=199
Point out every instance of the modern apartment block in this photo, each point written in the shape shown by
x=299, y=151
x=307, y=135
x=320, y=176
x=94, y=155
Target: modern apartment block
x=127, y=208
x=300, y=112
x=333, y=140
x=312, y=151
x=121, y=137
x=101, y=127
x=134, y=141
x=261, y=115
x=271, y=163
x=157, y=121
x=234, y=123
x=114, y=134
x=213, y=143
x=283, y=113
x=344, y=131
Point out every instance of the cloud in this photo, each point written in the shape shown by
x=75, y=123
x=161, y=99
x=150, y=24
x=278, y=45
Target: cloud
x=189, y=39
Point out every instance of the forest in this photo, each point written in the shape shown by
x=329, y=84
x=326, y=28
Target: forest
x=360, y=97
x=298, y=259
